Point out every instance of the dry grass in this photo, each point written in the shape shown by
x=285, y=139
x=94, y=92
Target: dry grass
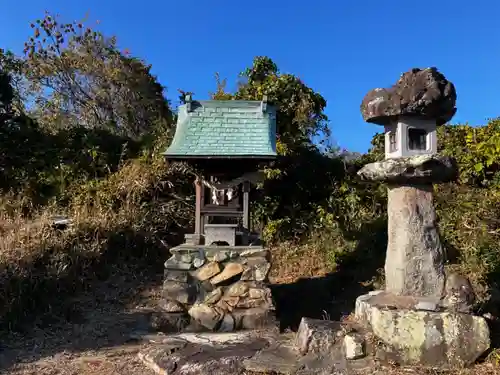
x=72, y=295
x=292, y=262
x=96, y=341
x=91, y=283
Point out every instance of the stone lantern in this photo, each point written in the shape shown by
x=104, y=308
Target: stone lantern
x=423, y=316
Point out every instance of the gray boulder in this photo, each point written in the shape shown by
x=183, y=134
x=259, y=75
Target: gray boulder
x=425, y=93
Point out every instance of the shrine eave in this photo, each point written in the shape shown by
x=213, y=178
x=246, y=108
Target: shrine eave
x=219, y=157
x=224, y=130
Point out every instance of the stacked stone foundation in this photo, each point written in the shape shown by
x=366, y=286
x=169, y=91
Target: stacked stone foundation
x=212, y=288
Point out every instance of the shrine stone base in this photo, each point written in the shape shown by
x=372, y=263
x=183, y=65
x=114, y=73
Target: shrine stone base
x=217, y=288
x=416, y=331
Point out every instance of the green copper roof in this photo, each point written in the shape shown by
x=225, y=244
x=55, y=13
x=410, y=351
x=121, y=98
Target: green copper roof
x=224, y=128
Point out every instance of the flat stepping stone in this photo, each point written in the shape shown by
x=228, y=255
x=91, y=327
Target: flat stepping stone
x=220, y=353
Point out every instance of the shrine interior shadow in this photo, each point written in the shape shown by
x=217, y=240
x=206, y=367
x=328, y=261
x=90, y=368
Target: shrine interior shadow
x=333, y=296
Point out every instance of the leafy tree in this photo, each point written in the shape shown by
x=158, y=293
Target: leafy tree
x=6, y=97
x=477, y=150
x=78, y=76
x=303, y=176
x=42, y=164
x=301, y=115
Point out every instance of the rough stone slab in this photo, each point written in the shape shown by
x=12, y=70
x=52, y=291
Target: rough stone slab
x=213, y=297
x=237, y=289
x=424, y=338
x=419, y=92
x=229, y=271
x=459, y=295
x=333, y=363
x=174, y=264
x=221, y=256
x=414, y=263
x=167, y=322
x=227, y=323
x=198, y=262
x=280, y=357
x=254, y=318
x=392, y=301
x=207, y=271
x=177, y=291
x=171, y=306
x=354, y=346
x=427, y=306
x=209, y=251
x=221, y=354
x=176, y=275
x=256, y=269
x=256, y=252
x=317, y=336
x=206, y=315
x=420, y=169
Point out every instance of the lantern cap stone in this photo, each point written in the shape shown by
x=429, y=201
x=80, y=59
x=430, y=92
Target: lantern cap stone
x=424, y=93
x=420, y=169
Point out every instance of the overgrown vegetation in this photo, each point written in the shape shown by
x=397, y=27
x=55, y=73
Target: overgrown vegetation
x=82, y=125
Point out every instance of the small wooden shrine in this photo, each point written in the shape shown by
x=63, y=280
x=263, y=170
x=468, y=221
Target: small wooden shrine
x=228, y=141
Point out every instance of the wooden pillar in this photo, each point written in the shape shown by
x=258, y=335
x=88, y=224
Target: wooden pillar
x=246, y=205
x=198, y=223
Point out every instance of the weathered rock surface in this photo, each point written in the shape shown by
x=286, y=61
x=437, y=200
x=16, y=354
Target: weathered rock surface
x=213, y=297
x=419, y=92
x=280, y=357
x=176, y=275
x=254, y=318
x=179, y=291
x=198, y=262
x=316, y=336
x=175, y=264
x=227, y=323
x=421, y=169
x=354, y=346
x=171, y=306
x=414, y=262
x=459, y=295
x=229, y=271
x=221, y=354
x=207, y=271
x=222, y=287
x=256, y=269
x=206, y=315
x=257, y=252
x=424, y=338
x=167, y=322
x=261, y=351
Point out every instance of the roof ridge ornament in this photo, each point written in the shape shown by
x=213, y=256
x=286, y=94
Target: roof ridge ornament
x=263, y=104
x=189, y=100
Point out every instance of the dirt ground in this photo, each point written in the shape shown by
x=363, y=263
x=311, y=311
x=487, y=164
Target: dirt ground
x=95, y=338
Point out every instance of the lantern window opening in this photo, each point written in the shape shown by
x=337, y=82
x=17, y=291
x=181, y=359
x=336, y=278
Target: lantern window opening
x=417, y=139
x=393, y=145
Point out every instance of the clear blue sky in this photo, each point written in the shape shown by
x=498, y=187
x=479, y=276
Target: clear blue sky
x=342, y=49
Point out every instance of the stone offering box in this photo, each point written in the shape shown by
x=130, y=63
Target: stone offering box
x=217, y=280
